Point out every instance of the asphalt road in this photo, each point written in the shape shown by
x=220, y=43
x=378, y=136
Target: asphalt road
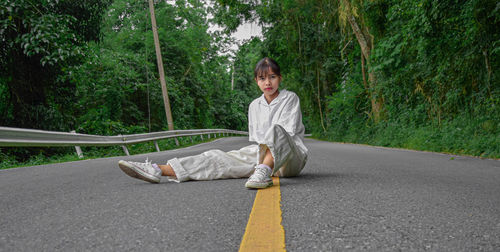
x=349, y=197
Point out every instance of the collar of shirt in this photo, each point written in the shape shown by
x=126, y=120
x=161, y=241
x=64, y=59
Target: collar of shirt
x=281, y=95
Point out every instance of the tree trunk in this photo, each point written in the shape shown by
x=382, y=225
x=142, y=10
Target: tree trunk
x=363, y=40
x=363, y=72
x=487, y=63
x=319, y=98
x=376, y=99
x=488, y=69
x=366, y=43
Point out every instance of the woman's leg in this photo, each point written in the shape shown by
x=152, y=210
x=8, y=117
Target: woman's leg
x=268, y=159
x=212, y=164
x=261, y=177
x=167, y=170
x=209, y=165
x=288, y=159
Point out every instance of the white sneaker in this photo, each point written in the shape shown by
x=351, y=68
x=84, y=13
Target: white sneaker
x=261, y=178
x=144, y=171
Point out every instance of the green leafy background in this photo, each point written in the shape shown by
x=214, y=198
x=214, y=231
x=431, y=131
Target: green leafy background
x=90, y=66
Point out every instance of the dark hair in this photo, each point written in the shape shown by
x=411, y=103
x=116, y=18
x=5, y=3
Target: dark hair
x=264, y=65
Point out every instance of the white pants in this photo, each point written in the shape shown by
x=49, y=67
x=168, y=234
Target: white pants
x=289, y=160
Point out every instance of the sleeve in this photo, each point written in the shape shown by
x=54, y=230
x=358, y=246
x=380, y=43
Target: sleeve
x=251, y=125
x=291, y=117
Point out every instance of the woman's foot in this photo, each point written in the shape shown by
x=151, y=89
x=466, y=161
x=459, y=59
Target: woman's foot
x=261, y=177
x=144, y=171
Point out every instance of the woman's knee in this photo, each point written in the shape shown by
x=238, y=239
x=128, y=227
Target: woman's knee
x=277, y=128
x=275, y=131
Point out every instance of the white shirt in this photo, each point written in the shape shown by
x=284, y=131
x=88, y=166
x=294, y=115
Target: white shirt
x=284, y=110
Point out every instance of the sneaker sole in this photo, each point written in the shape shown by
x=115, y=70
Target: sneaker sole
x=133, y=172
x=258, y=185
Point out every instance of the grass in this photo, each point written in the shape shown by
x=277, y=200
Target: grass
x=457, y=136
x=69, y=153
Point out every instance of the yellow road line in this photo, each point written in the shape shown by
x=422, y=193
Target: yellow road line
x=264, y=231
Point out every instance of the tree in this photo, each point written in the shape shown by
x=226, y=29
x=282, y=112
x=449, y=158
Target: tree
x=303, y=37
x=38, y=41
x=351, y=12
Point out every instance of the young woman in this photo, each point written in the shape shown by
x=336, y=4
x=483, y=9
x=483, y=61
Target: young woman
x=274, y=123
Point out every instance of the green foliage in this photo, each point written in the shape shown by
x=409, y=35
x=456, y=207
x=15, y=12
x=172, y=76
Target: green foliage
x=442, y=63
x=433, y=61
x=91, y=66
x=104, y=84
x=117, y=86
x=461, y=135
x=305, y=39
x=38, y=40
x=107, y=82
x=243, y=68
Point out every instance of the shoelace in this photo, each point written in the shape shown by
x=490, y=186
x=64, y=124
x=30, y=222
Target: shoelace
x=260, y=173
x=144, y=166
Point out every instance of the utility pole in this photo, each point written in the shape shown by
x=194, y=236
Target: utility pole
x=160, y=68
x=232, y=77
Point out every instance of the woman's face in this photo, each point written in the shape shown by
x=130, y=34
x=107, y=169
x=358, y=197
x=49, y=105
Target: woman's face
x=268, y=83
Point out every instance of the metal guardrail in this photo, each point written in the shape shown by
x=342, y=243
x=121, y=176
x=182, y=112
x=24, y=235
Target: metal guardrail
x=17, y=137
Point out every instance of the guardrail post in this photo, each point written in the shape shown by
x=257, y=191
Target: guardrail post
x=77, y=148
x=157, y=147
x=124, y=147
x=191, y=139
x=208, y=135
x=176, y=141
